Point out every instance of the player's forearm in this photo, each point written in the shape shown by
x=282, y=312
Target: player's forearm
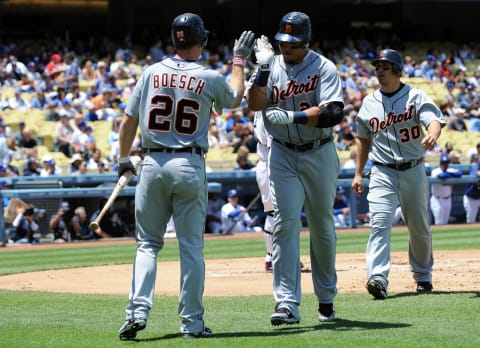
x=363, y=147
x=257, y=98
x=237, y=82
x=127, y=132
x=434, y=129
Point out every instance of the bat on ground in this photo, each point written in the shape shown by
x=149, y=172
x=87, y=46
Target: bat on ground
x=241, y=214
x=122, y=181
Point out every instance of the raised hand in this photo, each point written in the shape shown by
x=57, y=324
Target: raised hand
x=243, y=47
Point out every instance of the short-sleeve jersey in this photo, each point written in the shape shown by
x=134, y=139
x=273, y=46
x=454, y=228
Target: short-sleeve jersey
x=173, y=102
x=313, y=82
x=395, y=123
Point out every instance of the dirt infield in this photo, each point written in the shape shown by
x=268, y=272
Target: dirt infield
x=453, y=271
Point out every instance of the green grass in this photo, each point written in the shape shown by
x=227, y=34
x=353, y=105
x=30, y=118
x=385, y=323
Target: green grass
x=37, y=319
x=405, y=320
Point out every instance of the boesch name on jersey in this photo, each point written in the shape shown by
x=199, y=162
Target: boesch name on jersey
x=181, y=81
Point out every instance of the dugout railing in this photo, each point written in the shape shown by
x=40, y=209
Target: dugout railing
x=87, y=189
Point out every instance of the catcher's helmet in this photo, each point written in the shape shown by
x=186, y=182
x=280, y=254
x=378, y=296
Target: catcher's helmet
x=392, y=56
x=188, y=29
x=294, y=27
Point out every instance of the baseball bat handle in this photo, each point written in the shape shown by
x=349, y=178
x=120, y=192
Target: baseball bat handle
x=122, y=181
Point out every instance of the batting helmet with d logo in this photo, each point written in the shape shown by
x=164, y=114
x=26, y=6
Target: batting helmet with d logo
x=294, y=27
x=188, y=30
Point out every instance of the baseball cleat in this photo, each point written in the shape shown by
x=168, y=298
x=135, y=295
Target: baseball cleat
x=424, y=287
x=202, y=334
x=129, y=329
x=283, y=316
x=268, y=266
x=376, y=289
x=326, y=312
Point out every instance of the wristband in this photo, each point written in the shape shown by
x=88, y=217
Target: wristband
x=300, y=117
x=262, y=77
x=238, y=61
x=125, y=159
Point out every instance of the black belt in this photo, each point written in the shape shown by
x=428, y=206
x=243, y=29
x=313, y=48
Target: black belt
x=438, y=197
x=196, y=150
x=401, y=166
x=304, y=147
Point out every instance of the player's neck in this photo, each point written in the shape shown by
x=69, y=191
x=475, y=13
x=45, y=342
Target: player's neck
x=392, y=87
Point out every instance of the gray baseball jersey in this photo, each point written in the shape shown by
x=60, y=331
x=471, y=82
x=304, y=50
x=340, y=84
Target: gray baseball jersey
x=177, y=97
x=314, y=82
x=395, y=125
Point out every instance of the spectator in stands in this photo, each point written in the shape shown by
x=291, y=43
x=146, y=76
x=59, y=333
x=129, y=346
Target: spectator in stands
x=91, y=140
x=26, y=225
x=12, y=169
x=341, y=209
x=235, y=217
x=458, y=123
x=455, y=157
x=63, y=136
x=55, y=66
x=52, y=113
x=345, y=136
x=94, y=160
x=102, y=166
x=59, y=224
x=129, y=86
x=28, y=144
x=471, y=195
x=351, y=162
x=474, y=151
x=110, y=224
x=31, y=168
x=81, y=225
x=18, y=102
x=88, y=73
x=39, y=101
x=79, y=140
x=71, y=71
x=74, y=162
x=49, y=167
x=15, y=67
x=4, y=150
x=79, y=167
x=441, y=193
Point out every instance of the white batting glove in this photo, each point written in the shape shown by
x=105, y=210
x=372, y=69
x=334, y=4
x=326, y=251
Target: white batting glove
x=264, y=53
x=279, y=116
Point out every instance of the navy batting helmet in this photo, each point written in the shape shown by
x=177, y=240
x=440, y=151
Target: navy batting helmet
x=392, y=56
x=294, y=27
x=188, y=29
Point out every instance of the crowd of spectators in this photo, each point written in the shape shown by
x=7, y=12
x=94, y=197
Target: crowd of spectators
x=76, y=88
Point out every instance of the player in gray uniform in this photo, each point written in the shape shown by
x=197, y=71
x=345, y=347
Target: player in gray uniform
x=390, y=128
x=172, y=104
x=300, y=95
x=264, y=142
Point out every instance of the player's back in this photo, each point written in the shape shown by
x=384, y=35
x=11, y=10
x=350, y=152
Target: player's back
x=177, y=96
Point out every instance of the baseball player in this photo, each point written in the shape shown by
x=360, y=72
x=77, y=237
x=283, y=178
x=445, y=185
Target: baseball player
x=264, y=142
x=300, y=95
x=441, y=193
x=471, y=196
x=172, y=103
x=235, y=217
x=390, y=131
